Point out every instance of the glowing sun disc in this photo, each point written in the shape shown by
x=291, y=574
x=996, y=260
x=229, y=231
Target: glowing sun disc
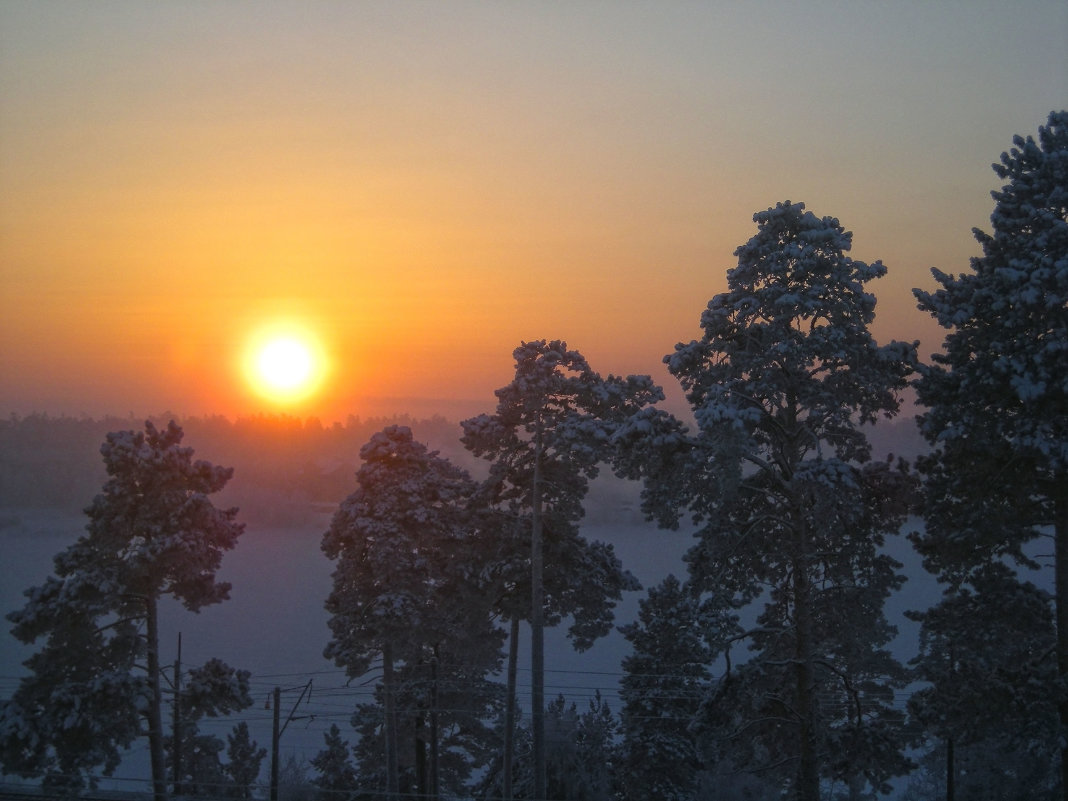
x=283, y=366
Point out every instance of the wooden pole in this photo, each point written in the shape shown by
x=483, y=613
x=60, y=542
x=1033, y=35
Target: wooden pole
x=275, y=735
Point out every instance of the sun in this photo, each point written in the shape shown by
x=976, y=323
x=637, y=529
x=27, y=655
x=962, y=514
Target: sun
x=284, y=365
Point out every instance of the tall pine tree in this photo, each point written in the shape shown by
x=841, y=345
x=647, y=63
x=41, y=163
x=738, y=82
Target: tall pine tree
x=553, y=427
x=335, y=775
x=791, y=519
x=243, y=760
x=997, y=396
x=409, y=586
x=988, y=665
x=95, y=686
x=664, y=679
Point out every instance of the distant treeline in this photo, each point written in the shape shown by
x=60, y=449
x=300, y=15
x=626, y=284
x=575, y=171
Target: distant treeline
x=280, y=462
x=285, y=468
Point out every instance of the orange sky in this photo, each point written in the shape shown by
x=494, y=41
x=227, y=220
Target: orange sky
x=424, y=185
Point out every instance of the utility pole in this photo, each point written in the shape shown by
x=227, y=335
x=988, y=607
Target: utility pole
x=277, y=732
x=177, y=748
x=275, y=735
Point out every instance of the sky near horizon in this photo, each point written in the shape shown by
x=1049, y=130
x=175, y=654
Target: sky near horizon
x=418, y=187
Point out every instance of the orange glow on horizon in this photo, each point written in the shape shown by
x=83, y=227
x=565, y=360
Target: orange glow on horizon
x=412, y=190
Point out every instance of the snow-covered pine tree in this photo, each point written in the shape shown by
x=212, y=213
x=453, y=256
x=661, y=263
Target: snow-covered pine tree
x=597, y=744
x=984, y=773
x=665, y=677
x=997, y=396
x=553, y=427
x=582, y=754
x=409, y=584
x=152, y=532
x=988, y=663
x=335, y=775
x=790, y=517
x=210, y=690
x=467, y=701
x=586, y=581
x=243, y=760
x=202, y=767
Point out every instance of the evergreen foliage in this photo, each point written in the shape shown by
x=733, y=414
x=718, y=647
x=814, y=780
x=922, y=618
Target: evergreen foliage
x=987, y=661
x=94, y=687
x=553, y=427
x=560, y=414
x=467, y=701
x=335, y=774
x=582, y=755
x=791, y=517
x=410, y=588
x=997, y=396
x=244, y=758
x=210, y=690
x=664, y=679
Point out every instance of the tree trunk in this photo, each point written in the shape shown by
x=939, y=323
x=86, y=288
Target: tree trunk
x=509, y=712
x=435, y=780
x=537, y=628
x=808, y=774
x=421, y=784
x=1060, y=529
x=390, y=724
x=951, y=772
x=155, y=716
x=177, y=715
x=951, y=768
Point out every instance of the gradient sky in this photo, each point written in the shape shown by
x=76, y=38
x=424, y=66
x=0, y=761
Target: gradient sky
x=424, y=185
